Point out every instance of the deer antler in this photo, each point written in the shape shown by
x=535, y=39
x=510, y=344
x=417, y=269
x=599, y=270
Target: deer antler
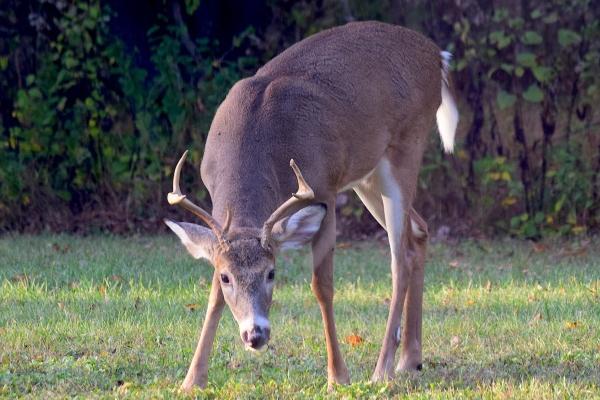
x=177, y=198
x=304, y=195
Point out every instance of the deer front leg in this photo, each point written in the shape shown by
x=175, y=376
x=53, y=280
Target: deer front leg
x=322, y=285
x=197, y=374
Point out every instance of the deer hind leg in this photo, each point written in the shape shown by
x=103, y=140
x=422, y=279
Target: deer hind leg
x=386, y=200
x=323, y=247
x=411, y=353
x=411, y=345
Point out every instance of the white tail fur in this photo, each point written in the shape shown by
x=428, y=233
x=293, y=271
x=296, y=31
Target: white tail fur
x=447, y=113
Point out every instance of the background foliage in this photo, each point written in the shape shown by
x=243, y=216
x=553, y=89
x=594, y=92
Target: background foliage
x=98, y=98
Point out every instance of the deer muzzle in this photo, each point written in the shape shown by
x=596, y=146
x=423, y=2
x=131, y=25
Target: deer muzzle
x=255, y=332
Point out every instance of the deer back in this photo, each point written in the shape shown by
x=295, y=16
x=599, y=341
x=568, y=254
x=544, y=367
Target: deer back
x=334, y=102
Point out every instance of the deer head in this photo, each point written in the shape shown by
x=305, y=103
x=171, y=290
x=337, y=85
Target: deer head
x=244, y=257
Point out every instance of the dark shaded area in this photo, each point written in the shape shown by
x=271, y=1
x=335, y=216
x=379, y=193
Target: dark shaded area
x=218, y=20
x=98, y=99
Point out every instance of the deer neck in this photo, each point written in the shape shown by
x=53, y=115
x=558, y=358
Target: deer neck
x=250, y=201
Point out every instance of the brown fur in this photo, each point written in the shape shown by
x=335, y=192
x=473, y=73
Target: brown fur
x=338, y=103
x=335, y=103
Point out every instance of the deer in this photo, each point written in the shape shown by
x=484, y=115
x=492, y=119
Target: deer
x=350, y=107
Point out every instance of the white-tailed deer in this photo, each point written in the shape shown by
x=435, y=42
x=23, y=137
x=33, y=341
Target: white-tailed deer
x=351, y=107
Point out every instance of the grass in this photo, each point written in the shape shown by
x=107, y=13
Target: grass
x=107, y=317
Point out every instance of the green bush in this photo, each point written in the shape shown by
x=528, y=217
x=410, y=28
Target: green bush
x=94, y=136
x=537, y=59
x=89, y=137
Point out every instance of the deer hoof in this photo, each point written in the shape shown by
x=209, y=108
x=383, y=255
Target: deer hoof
x=382, y=376
x=189, y=386
x=408, y=365
x=332, y=384
x=410, y=360
x=341, y=379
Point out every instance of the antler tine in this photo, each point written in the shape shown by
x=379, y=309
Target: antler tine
x=228, y=216
x=304, y=192
x=304, y=195
x=178, y=198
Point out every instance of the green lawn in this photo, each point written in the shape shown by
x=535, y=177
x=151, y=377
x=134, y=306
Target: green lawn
x=119, y=317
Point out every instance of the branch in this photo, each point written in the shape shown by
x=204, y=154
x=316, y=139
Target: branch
x=187, y=41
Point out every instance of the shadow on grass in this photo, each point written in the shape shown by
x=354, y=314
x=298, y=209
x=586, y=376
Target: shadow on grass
x=450, y=373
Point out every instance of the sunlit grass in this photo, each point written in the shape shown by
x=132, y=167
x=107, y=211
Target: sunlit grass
x=112, y=317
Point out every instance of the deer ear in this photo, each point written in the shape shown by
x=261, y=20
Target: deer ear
x=199, y=241
x=299, y=228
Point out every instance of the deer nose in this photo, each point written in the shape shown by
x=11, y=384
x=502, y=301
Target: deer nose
x=256, y=337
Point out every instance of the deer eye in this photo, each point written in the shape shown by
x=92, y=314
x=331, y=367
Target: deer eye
x=271, y=275
x=225, y=279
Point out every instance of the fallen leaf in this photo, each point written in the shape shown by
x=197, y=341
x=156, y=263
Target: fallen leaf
x=102, y=290
x=536, y=318
x=593, y=289
x=354, y=340
x=470, y=302
x=344, y=245
x=455, y=341
x=531, y=297
x=116, y=278
x=61, y=305
x=191, y=306
x=453, y=264
x=123, y=387
x=539, y=247
x=571, y=324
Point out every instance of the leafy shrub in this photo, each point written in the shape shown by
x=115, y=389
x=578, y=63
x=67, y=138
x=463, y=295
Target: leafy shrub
x=89, y=137
x=94, y=135
x=533, y=59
